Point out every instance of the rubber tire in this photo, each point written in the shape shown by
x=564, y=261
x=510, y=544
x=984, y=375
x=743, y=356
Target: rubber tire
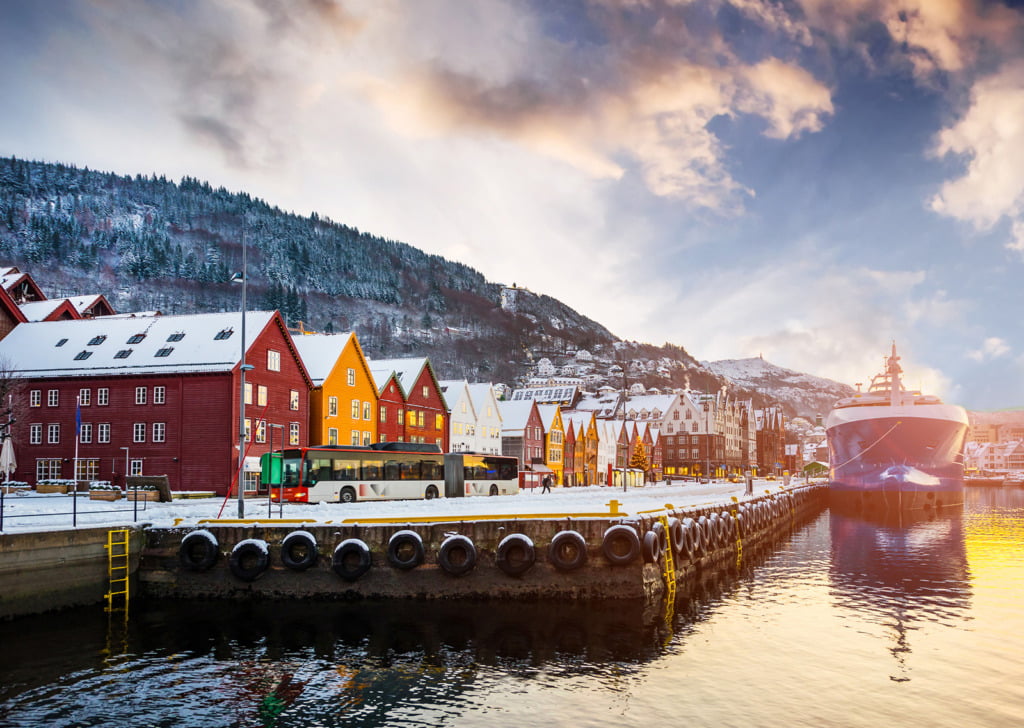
x=571, y=541
x=242, y=553
x=444, y=555
x=651, y=547
x=616, y=533
x=197, y=552
x=691, y=539
x=306, y=545
x=659, y=530
x=509, y=546
x=396, y=546
x=430, y=493
x=347, y=495
x=339, y=561
x=675, y=531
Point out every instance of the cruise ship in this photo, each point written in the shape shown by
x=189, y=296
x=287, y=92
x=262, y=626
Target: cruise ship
x=894, y=449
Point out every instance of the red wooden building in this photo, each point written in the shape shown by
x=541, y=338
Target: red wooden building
x=522, y=436
x=390, y=406
x=155, y=395
x=426, y=415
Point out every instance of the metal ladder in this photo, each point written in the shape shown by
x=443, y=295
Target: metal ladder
x=117, y=567
x=670, y=562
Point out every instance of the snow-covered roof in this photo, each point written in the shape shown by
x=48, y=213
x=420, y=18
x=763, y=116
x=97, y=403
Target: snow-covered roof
x=515, y=415
x=406, y=371
x=320, y=352
x=546, y=394
x=482, y=394
x=144, y=345
x=548, y=413
x=86, y=302
x=39, y=310
x=452, y=389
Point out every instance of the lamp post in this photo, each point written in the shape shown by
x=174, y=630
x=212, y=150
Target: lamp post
x=242, y=369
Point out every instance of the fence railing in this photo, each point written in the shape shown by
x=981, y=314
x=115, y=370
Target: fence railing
x=11, y=510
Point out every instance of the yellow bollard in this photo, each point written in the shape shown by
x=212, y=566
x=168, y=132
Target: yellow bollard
x=613, y=507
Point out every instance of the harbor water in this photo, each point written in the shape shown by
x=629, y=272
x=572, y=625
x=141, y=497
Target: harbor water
x=842, y=622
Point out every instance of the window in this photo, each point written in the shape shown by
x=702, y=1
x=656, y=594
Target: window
x=166, y=351
x=136, y=467
x=439, y=422
x=351, y=377
x=274, y=360
x=293, y=433
x=52, y=398
x=85, y=433
x=261, y=431
x=82, y=355
x=332, y=406
x=426, y=392
x=689, y=415
x=35, y=398
x=383, y=413
x=223, y=334
x=248, y=392
x=135, y=339
x=367, y=438
x=355, y=409
x=401, y=416
x=53, y=434
x=177, y=336
x=97, y=340
x=35, y=434
x=140, y=395
x=261, y=395
x=463, y=406
x=411, y=418
x=139, y=432
x=355, y=437
x=103, y=432
x=85, y=397
x=47, y=468
x=123, y=354
x=367, y=410
x=103, y=396
x=332, y=436
x=159, y=395
x=419, y=419
x=293, y=399
x=159, y=431
x=87, y=469
x=248, y=430
x=62, y=342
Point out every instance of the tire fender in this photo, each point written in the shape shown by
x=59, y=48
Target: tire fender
x=249, y=559
x=405, y=550
x=567, y=551
x=451, y=548
x=351, y=559
x=199, y=550
x=299, y=550
x=516, y=554
x=620, y=545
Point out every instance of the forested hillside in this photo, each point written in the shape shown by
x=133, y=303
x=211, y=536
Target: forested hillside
x=150, y=243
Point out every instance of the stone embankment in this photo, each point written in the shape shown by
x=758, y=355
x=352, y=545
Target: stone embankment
x=612, y=555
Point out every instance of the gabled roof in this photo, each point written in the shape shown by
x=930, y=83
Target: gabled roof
x=20, y=285
x=320, y=352
x=407, y=371
x=451, y=389
x=93, y=304
x=482, y=394
x=381, y=377
x=54, y=309
x=548, y=414
x=515, y=415
x=169, y=344
x=7, y=304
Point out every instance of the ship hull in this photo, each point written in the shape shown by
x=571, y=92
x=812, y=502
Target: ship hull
x=896, y=460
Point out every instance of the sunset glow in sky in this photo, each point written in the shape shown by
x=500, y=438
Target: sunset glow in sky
x=803, y=179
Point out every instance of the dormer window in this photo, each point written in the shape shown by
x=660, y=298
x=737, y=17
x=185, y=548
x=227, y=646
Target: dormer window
x=82, y=355
x=97, y=340
x=223, y=334
x=136, y=339
x=62, y=342
x=123, y=354
x=176, y=336
x=165, y=351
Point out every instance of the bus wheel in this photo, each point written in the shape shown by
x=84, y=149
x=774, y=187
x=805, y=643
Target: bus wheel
x=347, y=495
x=431, y=492
x=351, y=559
x=249, y=559
x=494, y=489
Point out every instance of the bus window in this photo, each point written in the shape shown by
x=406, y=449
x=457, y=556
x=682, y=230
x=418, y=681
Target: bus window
x=319, y=469
x=290, y=472
x=432, y=470
x=345, y=469
x=391, y=470
x=373, y=469
x=410, y=470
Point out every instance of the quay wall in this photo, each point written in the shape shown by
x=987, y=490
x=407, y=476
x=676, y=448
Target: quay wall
x=754, y=524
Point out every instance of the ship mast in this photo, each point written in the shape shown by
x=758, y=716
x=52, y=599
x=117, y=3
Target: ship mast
x=896, y=387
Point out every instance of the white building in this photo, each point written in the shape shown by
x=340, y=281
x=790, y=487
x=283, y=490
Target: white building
x=488, y=418
x=461, y=415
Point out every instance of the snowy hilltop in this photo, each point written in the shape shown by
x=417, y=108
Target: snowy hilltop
x=799, y=393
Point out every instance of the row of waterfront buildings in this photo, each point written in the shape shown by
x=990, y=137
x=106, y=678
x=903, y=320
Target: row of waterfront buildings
x=91, y=394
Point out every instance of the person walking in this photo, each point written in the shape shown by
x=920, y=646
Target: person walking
x=547, y=484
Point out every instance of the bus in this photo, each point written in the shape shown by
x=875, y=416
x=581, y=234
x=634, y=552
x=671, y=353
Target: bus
x=384, y=471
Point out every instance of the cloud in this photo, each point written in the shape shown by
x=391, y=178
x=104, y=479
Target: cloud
x=992, y=348
x=989, y=137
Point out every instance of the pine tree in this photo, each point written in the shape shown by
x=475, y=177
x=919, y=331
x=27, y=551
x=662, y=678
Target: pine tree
x=638, y=459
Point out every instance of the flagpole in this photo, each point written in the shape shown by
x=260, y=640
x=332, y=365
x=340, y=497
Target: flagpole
x=78, y=431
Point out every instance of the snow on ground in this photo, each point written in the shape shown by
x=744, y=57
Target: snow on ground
x=51, y=512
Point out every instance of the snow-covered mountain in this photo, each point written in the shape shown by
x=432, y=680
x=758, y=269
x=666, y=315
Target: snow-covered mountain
x=800, y=394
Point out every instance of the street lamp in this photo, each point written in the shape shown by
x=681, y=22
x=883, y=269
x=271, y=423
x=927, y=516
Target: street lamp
x=242, y=369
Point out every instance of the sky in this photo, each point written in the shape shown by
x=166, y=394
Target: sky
x=804, y=180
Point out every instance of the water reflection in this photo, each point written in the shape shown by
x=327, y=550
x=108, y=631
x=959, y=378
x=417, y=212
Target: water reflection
x=897, y=570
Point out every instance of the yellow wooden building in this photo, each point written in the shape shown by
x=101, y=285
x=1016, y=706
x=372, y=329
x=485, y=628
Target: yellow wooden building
x=554, y=439
x=343, y=401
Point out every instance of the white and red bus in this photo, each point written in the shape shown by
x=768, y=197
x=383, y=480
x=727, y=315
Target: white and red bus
x=384, y=471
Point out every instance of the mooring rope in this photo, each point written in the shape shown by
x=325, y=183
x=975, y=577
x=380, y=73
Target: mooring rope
x=882, y=437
